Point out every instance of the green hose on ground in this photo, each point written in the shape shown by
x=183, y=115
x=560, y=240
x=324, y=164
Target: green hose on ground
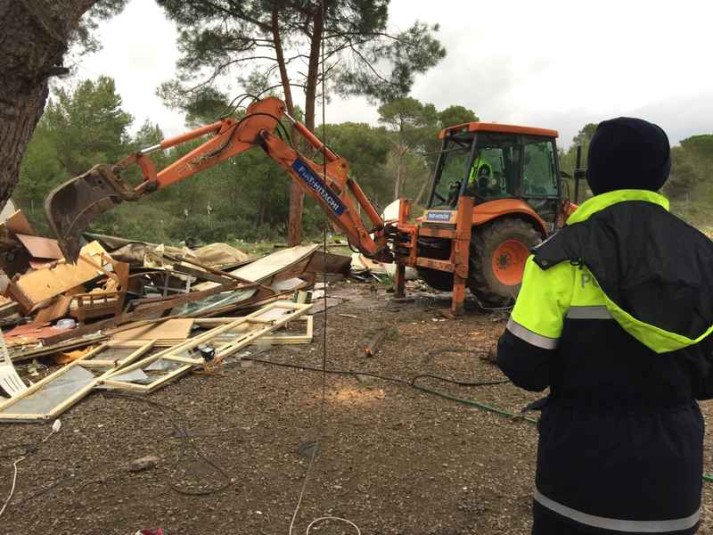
x=477, y=404
x=512, y=415
x=412, y=383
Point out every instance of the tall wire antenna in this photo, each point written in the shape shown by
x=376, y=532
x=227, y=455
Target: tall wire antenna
x=324, y=230
x=314, y=447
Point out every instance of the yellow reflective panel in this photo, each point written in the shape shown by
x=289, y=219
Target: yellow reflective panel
x=600, y=202
x=544, y=298
x=655, y=338
x=586, y=291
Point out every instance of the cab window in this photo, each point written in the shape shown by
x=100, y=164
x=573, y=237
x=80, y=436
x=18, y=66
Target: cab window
x=502, y=153
x=452, y=169
x=539, y=177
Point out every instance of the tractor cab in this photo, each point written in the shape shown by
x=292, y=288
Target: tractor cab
x=489, y=161
x=496, y=187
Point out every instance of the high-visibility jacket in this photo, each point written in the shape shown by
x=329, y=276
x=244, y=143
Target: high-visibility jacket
x=478, y=164
x=614, y=315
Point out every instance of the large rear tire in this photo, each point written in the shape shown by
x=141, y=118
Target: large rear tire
x=498, y=252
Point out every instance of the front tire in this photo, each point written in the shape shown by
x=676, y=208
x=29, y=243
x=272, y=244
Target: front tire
x=498, y=252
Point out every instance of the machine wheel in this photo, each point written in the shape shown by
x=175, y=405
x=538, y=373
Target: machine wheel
x=498, y=252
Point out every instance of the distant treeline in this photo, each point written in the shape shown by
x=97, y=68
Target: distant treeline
x=247, y=198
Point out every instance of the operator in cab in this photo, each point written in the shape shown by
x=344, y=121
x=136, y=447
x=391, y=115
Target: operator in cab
x=482, y=181
x=615, y=316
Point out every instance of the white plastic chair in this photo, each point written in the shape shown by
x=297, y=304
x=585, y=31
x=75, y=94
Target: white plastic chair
x=9, y=380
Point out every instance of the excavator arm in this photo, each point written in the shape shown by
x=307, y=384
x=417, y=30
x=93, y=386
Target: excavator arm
x=71, y=207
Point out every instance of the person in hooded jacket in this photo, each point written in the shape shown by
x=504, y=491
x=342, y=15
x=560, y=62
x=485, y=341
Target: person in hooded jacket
x=614, y=316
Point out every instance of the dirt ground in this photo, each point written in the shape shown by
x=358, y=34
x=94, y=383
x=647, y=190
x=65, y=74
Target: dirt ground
x=234, y=448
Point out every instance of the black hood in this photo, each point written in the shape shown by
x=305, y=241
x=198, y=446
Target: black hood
x=627, y=153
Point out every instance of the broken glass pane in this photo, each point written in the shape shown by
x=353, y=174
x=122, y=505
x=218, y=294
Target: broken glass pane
x=53, y=393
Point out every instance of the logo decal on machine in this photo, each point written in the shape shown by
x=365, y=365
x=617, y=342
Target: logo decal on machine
x=440, y=216
x=318, y=186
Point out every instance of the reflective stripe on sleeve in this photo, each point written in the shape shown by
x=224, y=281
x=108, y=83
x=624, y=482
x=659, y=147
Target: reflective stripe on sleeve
x=530, y=337
x=589, y=313
x=615, y=524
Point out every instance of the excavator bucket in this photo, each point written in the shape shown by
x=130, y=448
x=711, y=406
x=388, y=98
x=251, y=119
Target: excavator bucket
x=71, y=207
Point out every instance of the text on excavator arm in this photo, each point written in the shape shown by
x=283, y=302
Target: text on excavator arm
x=71, y=207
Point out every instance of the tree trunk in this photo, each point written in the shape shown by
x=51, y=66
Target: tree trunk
x=397, y=182
x=294, y=229
x=401, y=151
x=417, y=202
x=33, y=41
x=294, y=226
x=313, y=69
x=280, y=57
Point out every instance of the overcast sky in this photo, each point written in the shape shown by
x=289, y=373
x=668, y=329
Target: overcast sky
x=550, y=63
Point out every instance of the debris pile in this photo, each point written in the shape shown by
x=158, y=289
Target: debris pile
x=134, y=316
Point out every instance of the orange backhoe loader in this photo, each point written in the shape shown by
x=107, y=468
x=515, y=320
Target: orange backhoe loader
x=496, y=192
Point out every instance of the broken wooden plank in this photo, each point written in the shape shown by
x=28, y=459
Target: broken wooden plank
x=19, y=355
x=168, y=332
x=375, y=342
x=8, y=308
x=58, y=307
x=117, y=354
x=35, y=288
x=96, y=304
x=39, y=247
x=201, y=274
x=147, y=309
x=29, y=333
x=181, y=359
x=274, y=338
x=50, y=397
x=265, y=268
x=17, y=223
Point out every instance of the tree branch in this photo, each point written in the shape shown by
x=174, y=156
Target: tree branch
x=369, y=34
x=371, y=67
x=238, y=13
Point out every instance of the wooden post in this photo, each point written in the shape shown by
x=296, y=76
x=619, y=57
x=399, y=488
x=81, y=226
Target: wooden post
x=294, y=227
x=374, y=344
x=400, y=281
x=400, y=275
x=461, y=252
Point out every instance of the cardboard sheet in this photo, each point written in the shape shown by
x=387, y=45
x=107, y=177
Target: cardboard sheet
x=17, y=223
x=265, y=268
x=40, y=247
x=170, y=331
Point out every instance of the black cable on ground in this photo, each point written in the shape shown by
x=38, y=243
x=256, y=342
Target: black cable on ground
x=444, y=395
x=409, y=382
x=412, y=383
x=445, y=350
x=184, y=434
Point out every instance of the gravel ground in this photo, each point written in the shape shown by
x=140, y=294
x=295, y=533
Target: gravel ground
x=234, y=448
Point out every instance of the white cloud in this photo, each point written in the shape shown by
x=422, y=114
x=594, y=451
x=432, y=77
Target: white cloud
x=551, y=63
x=139, y=51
